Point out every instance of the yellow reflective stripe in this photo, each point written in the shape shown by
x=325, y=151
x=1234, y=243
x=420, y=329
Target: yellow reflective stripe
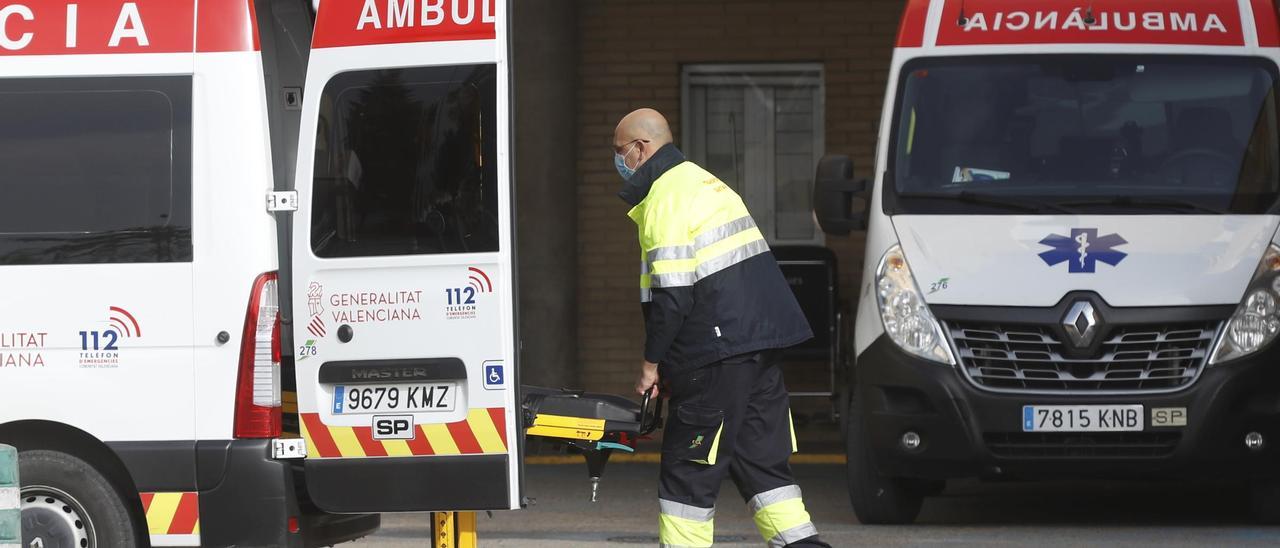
x=397, y=448
x=791, y=425
x=160, y=512
x=485, y=432
x=675, y=265
x=911, y=133
x=677, y=531
x=440, y=439
x=311, y=446
x=731, y=243
x=774, y=519
x=345, y=438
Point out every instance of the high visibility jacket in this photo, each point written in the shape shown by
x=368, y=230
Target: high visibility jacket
x=710, y=287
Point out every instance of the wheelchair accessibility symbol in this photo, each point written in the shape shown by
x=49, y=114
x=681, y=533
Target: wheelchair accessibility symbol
x=494, y=379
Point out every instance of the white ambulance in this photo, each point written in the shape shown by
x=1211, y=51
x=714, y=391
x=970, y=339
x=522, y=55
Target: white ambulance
x=257, y=281
x=1071, y=253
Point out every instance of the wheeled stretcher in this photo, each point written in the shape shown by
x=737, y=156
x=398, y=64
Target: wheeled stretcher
x=594, y=424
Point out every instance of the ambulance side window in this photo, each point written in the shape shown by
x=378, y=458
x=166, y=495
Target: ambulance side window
x=406, y=163
x=95, y=170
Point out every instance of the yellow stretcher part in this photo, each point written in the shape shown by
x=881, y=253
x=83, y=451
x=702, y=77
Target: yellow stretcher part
x=574, y=428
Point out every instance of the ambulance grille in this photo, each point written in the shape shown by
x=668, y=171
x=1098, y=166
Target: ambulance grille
x=1096, y=445
x=1031, y=358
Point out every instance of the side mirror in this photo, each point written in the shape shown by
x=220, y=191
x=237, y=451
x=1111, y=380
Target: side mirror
x=834, y=196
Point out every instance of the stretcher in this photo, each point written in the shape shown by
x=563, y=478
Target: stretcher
x=595, y=425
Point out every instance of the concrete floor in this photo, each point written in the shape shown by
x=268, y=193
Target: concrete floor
x=968, y=514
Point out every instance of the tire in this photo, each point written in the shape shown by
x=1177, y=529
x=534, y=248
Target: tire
x=67, y=503
x=877, y=500
x=1264, y=501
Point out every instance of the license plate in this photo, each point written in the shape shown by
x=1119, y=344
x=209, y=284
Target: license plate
x=1082, y=418
x=399, y=398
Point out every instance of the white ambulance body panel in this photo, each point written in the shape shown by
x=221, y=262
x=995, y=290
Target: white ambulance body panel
x=416, y=296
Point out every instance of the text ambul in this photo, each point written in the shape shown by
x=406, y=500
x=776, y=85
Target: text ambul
x=392, y=14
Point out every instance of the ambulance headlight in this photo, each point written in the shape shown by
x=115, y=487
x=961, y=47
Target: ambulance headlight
x=907, y=319
x=1256, y=321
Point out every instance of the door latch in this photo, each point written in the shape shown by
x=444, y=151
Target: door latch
x=282, y=200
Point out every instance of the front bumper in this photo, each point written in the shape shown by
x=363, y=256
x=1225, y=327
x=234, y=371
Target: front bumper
x=967, y=431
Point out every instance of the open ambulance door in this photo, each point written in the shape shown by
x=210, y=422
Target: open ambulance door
x=402, y=259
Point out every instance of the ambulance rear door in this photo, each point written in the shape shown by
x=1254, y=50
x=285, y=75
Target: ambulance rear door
x=402, y=259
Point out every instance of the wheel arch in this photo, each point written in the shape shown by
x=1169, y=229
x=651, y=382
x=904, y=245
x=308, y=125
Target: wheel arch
x=30, y=435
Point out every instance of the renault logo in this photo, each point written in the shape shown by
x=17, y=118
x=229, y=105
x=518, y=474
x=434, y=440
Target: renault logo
x=1081, y=323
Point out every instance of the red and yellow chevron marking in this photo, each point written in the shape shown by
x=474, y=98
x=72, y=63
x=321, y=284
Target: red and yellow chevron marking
x=172, y=513
x=483, y=432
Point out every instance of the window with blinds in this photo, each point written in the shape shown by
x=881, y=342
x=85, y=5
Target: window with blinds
x=759, y=127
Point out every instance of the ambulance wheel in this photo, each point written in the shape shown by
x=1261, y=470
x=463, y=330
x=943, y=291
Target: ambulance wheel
x=1264, y=501
x=877, y=500
x=66, y=503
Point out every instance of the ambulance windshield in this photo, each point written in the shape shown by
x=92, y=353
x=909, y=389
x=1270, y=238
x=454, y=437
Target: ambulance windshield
x=1098, y=134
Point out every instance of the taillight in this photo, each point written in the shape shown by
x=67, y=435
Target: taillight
x=258, y=404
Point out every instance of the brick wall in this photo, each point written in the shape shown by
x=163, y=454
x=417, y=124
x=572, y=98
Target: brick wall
x=631, y=56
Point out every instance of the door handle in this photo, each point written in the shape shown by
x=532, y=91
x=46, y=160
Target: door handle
x=345, y=333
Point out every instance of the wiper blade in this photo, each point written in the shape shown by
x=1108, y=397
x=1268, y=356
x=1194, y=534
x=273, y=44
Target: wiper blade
x=980, y=198
x=1172, y=204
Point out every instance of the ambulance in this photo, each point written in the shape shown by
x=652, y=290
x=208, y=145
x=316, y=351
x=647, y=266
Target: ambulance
x=256, y=265
x=1073, y=268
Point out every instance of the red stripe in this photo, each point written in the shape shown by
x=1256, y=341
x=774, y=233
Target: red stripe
x=499, y=417
x=1266, y=20
x=419, y=444
x=226, y=25
x=372, y=447
x=146, y=500
x=184, y=519
x=320, y=437
x=911, y=31
x=463, y=437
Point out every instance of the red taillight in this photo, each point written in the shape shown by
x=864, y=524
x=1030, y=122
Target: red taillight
x=258, y=404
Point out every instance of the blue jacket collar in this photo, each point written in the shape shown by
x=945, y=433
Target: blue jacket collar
x=634, y=191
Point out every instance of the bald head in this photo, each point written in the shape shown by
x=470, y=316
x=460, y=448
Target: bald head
x=639, y=135
x=647, y=124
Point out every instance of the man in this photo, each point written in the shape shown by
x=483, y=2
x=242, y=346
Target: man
x=717, y=309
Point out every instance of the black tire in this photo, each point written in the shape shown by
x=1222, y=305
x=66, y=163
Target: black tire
x=1264, y=501
x=67, y=503
x=877, y=500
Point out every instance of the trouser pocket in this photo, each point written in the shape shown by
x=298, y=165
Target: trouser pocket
x=694, y=434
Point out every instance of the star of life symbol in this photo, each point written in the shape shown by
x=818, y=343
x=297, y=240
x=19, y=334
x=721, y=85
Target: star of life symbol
x=1083, y=249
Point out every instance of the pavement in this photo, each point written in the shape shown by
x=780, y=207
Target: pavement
x=968, y=513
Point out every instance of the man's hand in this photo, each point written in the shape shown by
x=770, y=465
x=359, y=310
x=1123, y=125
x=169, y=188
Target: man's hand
x=648, y=377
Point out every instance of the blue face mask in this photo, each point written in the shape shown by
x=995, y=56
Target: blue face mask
x=620, y=162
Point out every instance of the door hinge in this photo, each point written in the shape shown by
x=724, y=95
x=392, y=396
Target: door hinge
x=288, y=448
x=286, y=200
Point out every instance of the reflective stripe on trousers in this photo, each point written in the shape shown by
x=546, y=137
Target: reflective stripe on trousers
x=681, y=525
x=780, y=516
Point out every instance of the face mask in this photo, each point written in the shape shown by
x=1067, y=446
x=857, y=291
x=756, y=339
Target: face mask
x=620, y=162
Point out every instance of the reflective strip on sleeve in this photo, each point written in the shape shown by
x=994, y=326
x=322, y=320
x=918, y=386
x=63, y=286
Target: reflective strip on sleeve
x=711, y=236
x=672, y=279
x=670, y=253
x=726, y=260
x=646, y=295
x=780, y=516
x=684, y=525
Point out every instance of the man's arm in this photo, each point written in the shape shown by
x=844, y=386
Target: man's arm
x=663, y=319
